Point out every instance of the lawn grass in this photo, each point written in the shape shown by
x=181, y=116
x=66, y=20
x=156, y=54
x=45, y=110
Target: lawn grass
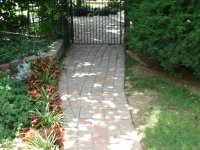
x=174, y=122
x=17, y=47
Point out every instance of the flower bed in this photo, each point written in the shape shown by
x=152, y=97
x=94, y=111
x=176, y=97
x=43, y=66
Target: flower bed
x=45, y=130
x=43, y=88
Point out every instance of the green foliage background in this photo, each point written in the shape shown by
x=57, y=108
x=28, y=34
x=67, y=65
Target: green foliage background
x=167, y=30
x=49, y=12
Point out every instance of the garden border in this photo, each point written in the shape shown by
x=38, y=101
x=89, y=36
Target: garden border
x=55, y=51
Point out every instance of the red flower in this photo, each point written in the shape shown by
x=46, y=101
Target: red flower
x=42, y=66
x=48, y=131
x=35, y=121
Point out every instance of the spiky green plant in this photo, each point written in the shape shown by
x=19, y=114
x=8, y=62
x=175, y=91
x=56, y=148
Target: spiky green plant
x=46, y=78
x=45, y=142
x=49, y=118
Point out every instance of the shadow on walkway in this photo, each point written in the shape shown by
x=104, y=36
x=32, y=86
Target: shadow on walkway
x=92, y=92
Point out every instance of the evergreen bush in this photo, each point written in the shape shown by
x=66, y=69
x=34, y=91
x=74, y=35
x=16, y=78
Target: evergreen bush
x=15, y=105
x=167, y=30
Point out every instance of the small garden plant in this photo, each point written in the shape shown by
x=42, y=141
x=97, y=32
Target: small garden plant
x=24, y=71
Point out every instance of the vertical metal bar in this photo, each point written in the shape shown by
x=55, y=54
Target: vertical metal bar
x=102, y=25
x=83, y=25
x=75, y=22
x=64, y=25
x=124, y=7
x=109, y=22
x=79, y=35
x=126, y=24
x=91, y=24
x=120, y=22
x=96, y=29
x=99, y=29
x=112, y=29
x=80, y=24
x=87, y=29
x=106, y=38
x=72, y=23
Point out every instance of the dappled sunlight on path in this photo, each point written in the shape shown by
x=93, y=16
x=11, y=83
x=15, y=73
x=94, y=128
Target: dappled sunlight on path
x=92, y=93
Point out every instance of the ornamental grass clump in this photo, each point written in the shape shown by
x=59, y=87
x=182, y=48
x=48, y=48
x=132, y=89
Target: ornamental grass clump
x=45, y=142
x=49, y=118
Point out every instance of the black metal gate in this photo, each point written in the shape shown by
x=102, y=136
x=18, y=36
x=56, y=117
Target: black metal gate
x=94, y=22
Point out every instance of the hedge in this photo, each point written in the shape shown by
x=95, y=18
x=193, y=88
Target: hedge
x=169, y=31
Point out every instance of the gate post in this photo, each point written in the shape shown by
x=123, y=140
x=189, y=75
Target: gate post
x=65, y=28
x=126, y=25
x=71, y=23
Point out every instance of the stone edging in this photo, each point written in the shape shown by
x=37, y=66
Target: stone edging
x=56, y=49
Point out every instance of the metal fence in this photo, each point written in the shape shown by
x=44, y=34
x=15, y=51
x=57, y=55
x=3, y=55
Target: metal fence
x=89, y=22
x=95, y=22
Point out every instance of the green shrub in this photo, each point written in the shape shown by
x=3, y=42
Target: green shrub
x=168, y=31
x=7, y=13
x=51, y=22
x=15, y=104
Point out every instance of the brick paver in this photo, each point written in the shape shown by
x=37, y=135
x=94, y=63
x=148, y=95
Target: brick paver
x=92, y=93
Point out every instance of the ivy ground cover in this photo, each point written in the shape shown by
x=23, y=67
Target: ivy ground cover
x=17, y=47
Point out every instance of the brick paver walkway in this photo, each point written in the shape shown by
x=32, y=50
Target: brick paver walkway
x=92, y=90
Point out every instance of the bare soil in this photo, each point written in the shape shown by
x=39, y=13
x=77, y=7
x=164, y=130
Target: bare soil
x=142, y=102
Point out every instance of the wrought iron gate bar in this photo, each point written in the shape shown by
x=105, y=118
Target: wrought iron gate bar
x=96, y=24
